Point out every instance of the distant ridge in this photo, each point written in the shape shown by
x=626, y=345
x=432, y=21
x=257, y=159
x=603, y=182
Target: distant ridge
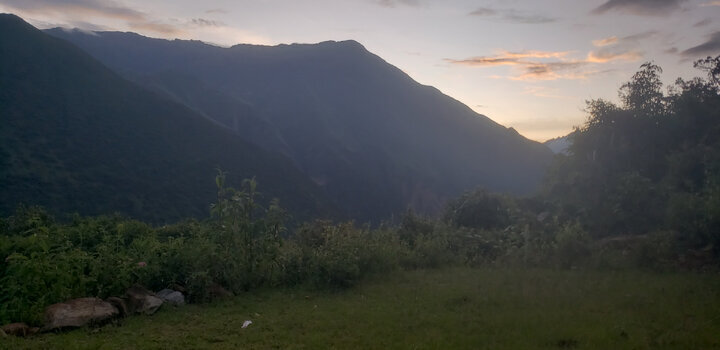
x=559, y=144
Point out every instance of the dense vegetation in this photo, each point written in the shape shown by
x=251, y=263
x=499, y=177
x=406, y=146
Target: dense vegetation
x=240, y=247
x=650, y=166
x=638, y=188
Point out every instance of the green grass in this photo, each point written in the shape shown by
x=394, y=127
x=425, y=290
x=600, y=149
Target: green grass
x=437, y=309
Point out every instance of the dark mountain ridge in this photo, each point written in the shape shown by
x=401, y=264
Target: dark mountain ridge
x=76, y=137
x=373, y=138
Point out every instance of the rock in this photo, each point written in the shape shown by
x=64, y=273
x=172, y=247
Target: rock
x=78, y=312
x=19, y=329
x=120, y=304
x=217, y=291
x=173, y=297
x=178, y=288
x=142, y=301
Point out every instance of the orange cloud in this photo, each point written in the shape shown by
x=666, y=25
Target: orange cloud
x=535, y=54
x=605, y=42
x=554, y=65
x=607, y=56
x=509, y=58
x=531, y=65
x=486, y=61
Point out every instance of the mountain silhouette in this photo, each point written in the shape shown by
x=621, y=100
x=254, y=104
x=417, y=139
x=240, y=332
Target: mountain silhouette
x=377, y=141
x=76, y=137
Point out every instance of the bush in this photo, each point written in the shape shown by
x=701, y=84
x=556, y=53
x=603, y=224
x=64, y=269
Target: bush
x=339, y=255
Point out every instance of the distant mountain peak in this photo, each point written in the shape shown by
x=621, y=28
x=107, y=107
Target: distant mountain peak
x=559, y=144
x=8, y=20
x=11, y=17
x=350, y=43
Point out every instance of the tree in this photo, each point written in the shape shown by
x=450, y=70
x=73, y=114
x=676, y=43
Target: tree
x=711, y=66
x=643, y=93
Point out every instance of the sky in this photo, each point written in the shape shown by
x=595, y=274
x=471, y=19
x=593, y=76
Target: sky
x=527, y=64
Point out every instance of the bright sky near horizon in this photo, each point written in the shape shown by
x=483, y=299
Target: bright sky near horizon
x=527, y=64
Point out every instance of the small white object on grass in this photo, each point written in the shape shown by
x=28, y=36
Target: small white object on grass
x=246, y=324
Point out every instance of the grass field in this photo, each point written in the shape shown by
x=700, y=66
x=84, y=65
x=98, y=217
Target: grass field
x=456, y=308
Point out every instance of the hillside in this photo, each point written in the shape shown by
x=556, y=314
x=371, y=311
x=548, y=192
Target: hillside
x=373, y=138
x=559, y=144
x=76, y=137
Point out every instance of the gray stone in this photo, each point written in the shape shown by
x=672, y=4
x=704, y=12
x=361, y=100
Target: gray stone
x=173, y=297
x=142, y=301
x=78, y=313
x=19, y=329
x=178, y=288
x=120, y=304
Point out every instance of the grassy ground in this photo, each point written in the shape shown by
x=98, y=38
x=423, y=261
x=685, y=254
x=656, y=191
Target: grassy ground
x=437, y=309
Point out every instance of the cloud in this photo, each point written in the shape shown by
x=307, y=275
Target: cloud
x=550, y=65
x=530, y=65
x=603, y=56
x=511, y=16
x=711, y=3
x=619, y=49
x=605, y=42
x=155, y=26
x=91, y=9
x=484, y=11
x=217, y=11
x=632, y=39
x=639, y=7
x=568, y=70
x=205, y=22
x=113, y=15
x=84, y=31
x=702, y=23
x=395, y=3
x=508, y=58
x=486, y=61
x=709, y=47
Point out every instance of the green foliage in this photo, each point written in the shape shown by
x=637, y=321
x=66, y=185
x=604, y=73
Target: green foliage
x=648, y=166
x=240, y=247
x=572, y=245
x=616, y=200
x=479, y=209
x=340, y=255
x=45, y=262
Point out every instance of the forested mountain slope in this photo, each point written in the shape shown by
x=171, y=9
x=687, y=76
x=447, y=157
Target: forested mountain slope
x=375, y=139
x=74, y=136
